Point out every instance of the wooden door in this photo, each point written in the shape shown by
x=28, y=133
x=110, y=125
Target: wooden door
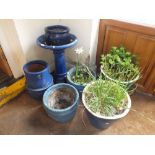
x=4, y=66
x=140, y=40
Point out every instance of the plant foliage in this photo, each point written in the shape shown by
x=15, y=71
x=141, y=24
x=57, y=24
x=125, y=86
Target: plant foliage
x=83, y=76
x=105, y=97
x=120, y=64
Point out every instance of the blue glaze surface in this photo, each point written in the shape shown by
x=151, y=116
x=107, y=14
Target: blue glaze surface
x=98, y=122
x=37, y=79
x=38, y=93
x=61, y=115
x=42, y=43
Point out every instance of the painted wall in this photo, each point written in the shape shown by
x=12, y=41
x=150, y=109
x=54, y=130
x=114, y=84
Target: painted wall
x=28, y=31
x=11, y=46
x=142, y=21
x=82, y=28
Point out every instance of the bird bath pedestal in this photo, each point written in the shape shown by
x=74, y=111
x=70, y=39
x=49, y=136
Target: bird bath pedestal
x=57, y=39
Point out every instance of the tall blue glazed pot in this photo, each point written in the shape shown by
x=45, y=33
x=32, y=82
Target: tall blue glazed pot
x=37, y=74
x=61, y=115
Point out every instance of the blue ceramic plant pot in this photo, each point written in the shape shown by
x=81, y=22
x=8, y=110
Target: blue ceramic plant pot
x=56, y=34
x=37, y=74
x=65, y=114
x=38, y=93
x=79, y=87
x=99, y=121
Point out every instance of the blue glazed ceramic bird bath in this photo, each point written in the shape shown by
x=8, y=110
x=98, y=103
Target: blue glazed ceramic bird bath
x=57, y=38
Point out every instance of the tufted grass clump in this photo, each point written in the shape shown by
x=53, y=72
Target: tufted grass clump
x=106, y=98
x=83, y=76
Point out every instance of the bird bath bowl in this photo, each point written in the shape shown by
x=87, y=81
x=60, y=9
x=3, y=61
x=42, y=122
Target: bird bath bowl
x=57, y=38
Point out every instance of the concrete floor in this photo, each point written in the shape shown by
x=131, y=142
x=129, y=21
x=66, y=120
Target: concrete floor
x=24, y=115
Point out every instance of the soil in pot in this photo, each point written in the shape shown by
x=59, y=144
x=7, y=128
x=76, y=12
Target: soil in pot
x=36, y=67
x=61, y=98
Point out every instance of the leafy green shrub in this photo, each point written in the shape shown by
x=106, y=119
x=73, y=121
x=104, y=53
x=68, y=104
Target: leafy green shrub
x=120, y=64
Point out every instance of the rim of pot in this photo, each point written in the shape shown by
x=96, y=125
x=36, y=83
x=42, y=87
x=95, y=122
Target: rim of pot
x=50, y=29
x=122, y=82
x=40, y=89
x=71, y=81
x=124, y=113
x=48, y=92
x=41, y=43
x=41, y=62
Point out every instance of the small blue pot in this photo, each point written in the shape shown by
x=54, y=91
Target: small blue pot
x=61, y=115
x=56, y=34
x=79, y=87
x=38, y=93
x=37, y=74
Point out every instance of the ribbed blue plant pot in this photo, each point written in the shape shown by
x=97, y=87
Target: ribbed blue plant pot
x=37, y=74
x=79, y=87
x=61, y=115
x=38, y=93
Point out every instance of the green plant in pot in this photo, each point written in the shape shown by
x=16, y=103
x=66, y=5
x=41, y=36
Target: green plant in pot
x=80, y=75
x=105, y=102
x=120, y=65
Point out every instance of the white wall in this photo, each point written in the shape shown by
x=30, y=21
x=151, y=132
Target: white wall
x=82, y=28
x=28, y=31
x=94, y=41
x=141, y=21
x=11, y=46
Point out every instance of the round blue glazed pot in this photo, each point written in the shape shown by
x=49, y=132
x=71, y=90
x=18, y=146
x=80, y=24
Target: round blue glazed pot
x=37, y=74
x=99, y=121
x=56, y=34
x=61, y=115
x=79, y=87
